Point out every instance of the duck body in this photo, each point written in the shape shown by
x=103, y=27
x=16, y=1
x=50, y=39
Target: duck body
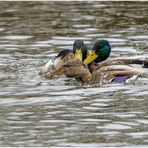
x=118, y=70
x=112, y=70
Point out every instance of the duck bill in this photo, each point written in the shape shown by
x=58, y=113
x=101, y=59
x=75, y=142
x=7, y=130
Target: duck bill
x=92, y=56
x=79, y=54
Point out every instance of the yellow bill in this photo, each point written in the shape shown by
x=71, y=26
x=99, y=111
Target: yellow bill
x=79, y=54
x=92, y=56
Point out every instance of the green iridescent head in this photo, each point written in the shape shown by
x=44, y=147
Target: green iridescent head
x=100, y=52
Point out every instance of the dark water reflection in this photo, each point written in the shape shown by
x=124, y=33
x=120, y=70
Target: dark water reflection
x=63, y=112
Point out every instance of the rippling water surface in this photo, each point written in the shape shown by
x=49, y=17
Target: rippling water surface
x=61, y=112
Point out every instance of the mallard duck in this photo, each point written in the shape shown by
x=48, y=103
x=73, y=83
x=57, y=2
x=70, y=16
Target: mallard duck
x=112, y=70
x=100, y=52
x=79, y=50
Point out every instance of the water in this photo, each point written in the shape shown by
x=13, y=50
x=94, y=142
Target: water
x=61, y=112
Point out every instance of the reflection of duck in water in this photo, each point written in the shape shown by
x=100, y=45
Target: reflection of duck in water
x=116, y=70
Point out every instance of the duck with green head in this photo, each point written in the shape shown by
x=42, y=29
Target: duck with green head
x=100, y=52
